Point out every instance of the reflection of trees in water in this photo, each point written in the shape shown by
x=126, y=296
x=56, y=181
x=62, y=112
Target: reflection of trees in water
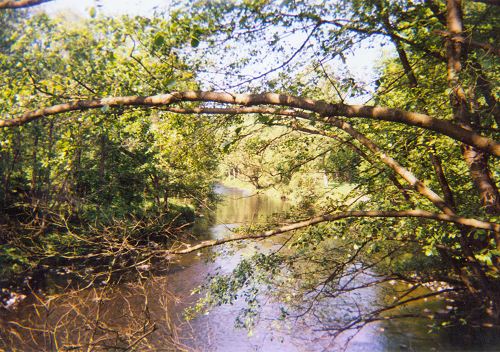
x=138, y=314
x=132, y=316
x=248, y=209
x=330, y=290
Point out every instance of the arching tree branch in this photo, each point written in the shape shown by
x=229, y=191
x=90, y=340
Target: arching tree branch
x=361, y=153
x=287, y=101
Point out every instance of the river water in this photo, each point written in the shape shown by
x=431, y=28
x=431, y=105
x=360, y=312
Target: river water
x=216, y=331
x=150, y=316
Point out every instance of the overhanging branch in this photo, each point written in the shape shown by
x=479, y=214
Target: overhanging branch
x=416, y=213
x=286, y=101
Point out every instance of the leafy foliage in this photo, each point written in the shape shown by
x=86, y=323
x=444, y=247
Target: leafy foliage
x=63, y=179
x=130, y=161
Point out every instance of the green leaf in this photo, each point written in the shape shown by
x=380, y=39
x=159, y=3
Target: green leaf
x=169, y=83
x=158, y=41
x=92, y=12
x=195, y=42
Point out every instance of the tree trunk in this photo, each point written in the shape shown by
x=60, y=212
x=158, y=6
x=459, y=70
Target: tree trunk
x=443, y=182
x=165, y=201
x=15, y=160
x=34, y=167
x=48, y=179
x=476, y=160
x=102, y=159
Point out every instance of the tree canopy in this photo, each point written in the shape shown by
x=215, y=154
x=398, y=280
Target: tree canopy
x=125, y=113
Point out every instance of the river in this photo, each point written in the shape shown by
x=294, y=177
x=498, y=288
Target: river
x=149, y=314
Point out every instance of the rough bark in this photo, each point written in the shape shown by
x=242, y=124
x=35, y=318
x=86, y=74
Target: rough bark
x=476, y=160
x=480, y=173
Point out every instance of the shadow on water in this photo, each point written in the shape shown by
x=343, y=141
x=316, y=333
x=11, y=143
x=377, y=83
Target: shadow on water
x=147, y=314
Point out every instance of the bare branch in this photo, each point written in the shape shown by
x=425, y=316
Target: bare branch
x=321, y=107
x=284, y=63
x=416, y=213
